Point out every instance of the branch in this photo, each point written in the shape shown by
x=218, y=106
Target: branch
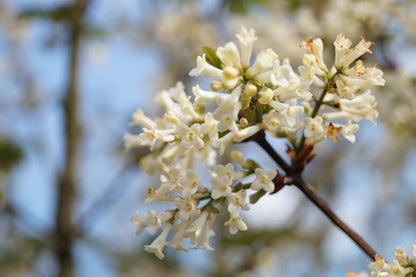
x=260, y=138
x=294, y=177
x=310, y=192
x=66, y=190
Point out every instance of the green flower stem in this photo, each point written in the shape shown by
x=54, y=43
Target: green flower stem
x=315, y=111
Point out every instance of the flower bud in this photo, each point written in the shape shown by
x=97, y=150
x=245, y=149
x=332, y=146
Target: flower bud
x=251, y=90
x=216, y=85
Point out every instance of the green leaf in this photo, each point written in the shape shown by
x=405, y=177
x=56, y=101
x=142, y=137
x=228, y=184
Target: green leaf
x=55, y=15
x=243, y=6
x=251, y=165
x=256, y=196
x=212, y=58
x=10, y=154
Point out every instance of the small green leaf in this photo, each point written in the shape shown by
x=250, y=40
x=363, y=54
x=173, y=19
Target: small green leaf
x=59, y=14
x=251, y=165
x=256, y=196
x=212, y=58
x=10, y=154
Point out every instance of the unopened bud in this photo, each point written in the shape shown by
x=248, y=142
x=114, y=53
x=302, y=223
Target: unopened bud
x=171, y=117
x=230, y=72
x=243, y=122
x=266, y=97
x=216, y=85
x=251, y=90
x=238, y=157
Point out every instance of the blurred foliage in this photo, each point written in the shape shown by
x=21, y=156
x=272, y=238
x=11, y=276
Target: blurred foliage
x=55, y=15
x=243, y=6
x=10, y=154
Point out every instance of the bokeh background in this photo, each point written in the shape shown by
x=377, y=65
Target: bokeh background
x=72, y=73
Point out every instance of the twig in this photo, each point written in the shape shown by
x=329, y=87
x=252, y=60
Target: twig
x=260, y=138
x=310, y=192
x=295, y=178
x=66, y=190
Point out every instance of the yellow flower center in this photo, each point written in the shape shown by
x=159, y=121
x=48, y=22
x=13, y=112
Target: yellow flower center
x=190, y=135
x=275, y=122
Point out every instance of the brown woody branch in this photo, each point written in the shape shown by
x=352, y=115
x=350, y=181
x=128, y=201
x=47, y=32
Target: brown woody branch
x=293, y=176
x=66, y=190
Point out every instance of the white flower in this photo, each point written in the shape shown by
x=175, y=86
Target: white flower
x=378, y=265
x=400, y=255
x=237, y=200
x=195, y=230
x=313, y=127
x=220, y=186
x=205, y=69
x=346, y=91
x=345, y=56
x=272, y=120
x=246, y=39
x=221, y=170
x=362, y=106
x=155, y=195
x=351, y=273
x=138, y=221
x=414, y=251
x=177, y=240
x=290, y=116
x=235, y=223
x=396, y=270
x=246, y=133
x=360, y=75
x=273, y=76
x=153, y=222
x=202, y=96
x=278, y=106
x=224, y=142
x=140, y=119
x=231, y=77
x=310, y=61
x=229, y=55
x=264, y=62
x=349, y=130
x=169, y=183
x=227, y=111
x=159, y=243
x=190, y=136
x=190, y=182
x=202, y=240
x=307, y=74
x=131, y=141
x=150, y=138
x=186, y=208
x=264, y=180
x=285, y=118
x=171, y=117
x=210, y=126
x=315, y=47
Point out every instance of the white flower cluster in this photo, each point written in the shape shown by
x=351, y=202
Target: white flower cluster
x=265, y=95
x=402, y=266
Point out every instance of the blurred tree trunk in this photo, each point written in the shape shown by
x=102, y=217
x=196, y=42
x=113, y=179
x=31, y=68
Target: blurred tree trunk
x=67, y=184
